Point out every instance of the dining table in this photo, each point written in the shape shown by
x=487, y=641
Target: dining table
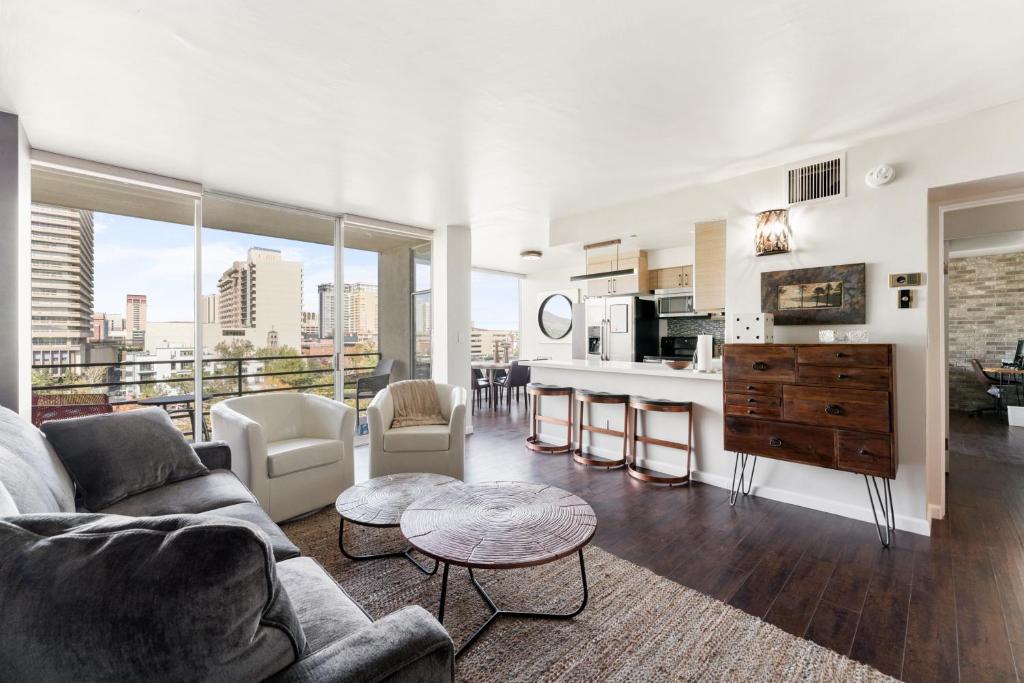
x=490, y=368
x=1009, y=376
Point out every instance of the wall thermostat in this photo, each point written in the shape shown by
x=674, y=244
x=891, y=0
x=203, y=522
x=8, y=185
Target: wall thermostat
x=905, y=279
x=906, y=298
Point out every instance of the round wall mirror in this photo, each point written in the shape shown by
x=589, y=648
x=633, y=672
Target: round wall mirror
x=555, y=316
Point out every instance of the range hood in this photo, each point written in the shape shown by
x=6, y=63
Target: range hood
x=604, y=275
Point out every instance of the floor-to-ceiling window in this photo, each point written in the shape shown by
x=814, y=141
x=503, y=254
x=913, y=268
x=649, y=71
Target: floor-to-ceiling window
x=494, y=305
x=421, y=311
x=112, y=297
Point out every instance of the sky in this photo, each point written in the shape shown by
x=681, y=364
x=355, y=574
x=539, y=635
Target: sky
x=139, y=256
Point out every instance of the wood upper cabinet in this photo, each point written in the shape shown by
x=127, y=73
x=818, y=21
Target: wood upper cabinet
x=670, y=278
x=709, y=266
x=623, y=284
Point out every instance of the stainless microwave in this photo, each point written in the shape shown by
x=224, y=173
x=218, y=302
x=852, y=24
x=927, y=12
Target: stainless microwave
x=674, y=303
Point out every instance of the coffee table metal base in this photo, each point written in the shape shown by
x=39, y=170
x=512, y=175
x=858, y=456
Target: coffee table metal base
x=398, y=553
x=497, y=612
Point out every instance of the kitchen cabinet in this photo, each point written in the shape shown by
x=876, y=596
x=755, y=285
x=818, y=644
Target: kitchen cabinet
x=709, y=267
x=623, y=284
x=672, y=278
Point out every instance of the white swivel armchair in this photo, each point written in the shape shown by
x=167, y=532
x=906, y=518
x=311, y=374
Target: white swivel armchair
x=430, y=448
x=293, y=451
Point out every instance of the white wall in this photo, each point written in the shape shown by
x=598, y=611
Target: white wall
x=887, y=228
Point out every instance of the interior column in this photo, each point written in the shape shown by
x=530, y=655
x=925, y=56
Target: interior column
x=15, y=266
x=450, y=299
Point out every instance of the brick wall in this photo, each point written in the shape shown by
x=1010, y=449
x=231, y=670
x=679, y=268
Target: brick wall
x=985, y=319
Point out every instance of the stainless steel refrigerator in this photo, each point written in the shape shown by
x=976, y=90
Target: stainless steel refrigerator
x=621, y=328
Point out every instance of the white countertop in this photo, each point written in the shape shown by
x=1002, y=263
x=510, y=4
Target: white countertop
x=624, y=368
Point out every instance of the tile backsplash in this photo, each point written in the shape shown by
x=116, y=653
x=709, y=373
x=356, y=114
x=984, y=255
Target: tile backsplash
x=691, y=327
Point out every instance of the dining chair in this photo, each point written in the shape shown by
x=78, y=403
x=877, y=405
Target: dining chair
x=993, y=387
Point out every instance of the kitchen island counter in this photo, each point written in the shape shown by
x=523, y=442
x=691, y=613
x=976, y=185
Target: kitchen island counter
x=624, y=368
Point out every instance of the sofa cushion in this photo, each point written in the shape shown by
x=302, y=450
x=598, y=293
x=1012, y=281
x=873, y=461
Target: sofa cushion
x=104, y=597
x=324, y=609
x=253, y=514
x=215, y=490
x=118, y=455
x=7, y=506
x=30, y=470
x=423, y=438
x=295, y=455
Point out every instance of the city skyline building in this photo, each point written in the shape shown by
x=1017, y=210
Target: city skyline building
x=135, y=318
x=325, y=292
x=208, y=310
x=361, y=310
x=62, y=275
x=264, y=292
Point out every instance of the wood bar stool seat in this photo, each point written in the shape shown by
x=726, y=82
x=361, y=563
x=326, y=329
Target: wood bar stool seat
x=535, y=391
x=587, y=398
x=638, y=404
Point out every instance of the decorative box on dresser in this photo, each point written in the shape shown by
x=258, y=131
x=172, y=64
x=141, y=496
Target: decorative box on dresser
x=824, y=405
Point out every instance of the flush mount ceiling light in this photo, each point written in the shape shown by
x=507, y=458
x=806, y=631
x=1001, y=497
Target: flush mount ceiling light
x=772, y=233
x=530, y=255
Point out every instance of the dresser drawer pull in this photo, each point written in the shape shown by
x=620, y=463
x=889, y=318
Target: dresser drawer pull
x=750, y=387
x=833, y=409
x=759, y=365
x=751, y=400
x=863, y=451
x=839, y=354
x=842, y=376
x=750, y=412
x=775, y=442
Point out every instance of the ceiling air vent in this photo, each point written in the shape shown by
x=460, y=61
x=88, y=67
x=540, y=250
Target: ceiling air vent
x=820, y=179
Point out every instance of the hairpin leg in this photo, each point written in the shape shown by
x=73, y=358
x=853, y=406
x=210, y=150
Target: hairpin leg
x=884, y=498
x=740, y=467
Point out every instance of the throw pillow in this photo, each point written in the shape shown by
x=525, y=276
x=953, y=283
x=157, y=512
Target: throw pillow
x=416, y=403
x=117, y=455
x=94, y=597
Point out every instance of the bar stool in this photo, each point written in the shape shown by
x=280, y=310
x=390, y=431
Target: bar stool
x=587, y=398
x=534, y=392
x=638, y=404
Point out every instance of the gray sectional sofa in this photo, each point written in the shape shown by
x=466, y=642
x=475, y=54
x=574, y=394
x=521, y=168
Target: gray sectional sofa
x=334, y=640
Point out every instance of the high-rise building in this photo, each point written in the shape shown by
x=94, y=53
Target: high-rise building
x=327, y=308
x=264, y=291
x=481, y=342
x=360, y=310
x=62, y=284
x=208, y=311
x=135, y=318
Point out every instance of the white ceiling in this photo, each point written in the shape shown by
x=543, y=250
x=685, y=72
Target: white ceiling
x=496, y=114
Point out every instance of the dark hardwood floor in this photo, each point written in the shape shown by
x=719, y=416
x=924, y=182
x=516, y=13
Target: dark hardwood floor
x=945, y=608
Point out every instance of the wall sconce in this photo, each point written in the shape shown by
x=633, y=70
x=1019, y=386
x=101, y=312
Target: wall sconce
x=772, y=233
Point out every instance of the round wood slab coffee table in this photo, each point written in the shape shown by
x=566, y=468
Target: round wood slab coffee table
x=381, y=501
x=500, y=525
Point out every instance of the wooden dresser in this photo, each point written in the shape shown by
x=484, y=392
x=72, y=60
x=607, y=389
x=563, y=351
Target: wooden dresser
x=825, y=405
x=828, y=405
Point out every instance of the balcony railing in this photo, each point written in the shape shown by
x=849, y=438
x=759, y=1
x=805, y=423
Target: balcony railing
x=222, y=378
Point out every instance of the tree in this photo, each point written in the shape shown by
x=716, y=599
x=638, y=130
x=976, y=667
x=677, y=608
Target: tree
x=236, y=348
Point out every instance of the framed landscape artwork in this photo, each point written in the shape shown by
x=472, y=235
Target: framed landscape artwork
x=812, y=296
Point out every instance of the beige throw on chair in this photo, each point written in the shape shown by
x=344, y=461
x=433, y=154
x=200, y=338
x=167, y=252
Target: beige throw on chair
x=416, y=404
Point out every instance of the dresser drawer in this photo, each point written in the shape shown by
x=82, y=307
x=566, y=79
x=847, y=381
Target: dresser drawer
x=853, y=377
x=846, y=355
x=760, y=363
x=754, y=411
x=796, y=443
x=760, y=388
x=752, y=400
x=862, y=453
x=857, y=409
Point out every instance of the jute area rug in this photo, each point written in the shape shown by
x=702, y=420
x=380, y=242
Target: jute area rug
x=637, y=626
